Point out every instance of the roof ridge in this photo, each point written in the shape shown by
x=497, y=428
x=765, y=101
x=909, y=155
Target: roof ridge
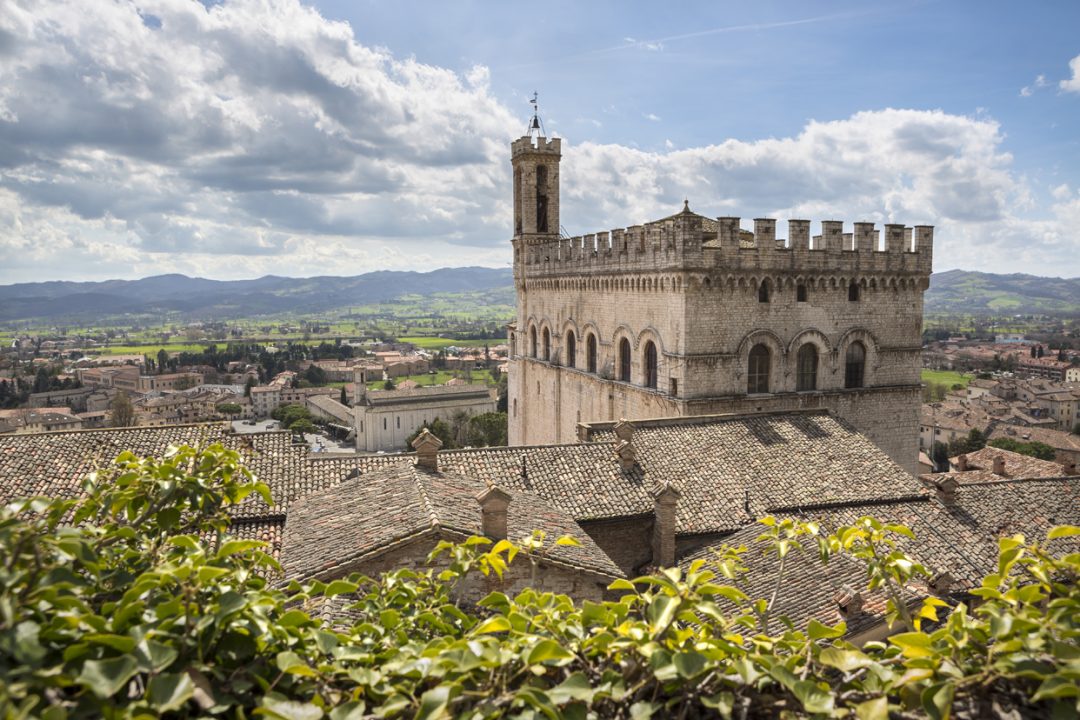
x=415, y=474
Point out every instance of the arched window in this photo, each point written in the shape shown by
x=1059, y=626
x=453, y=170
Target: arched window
x=541, y=199
x=800, y=293
x=547, y=345
x=571, y=349
x=590, y=353
x=624, y=360
x=854, y=365
x=807, y=359
x=763, y=291
x=853, y=292
x=650, y=364
x=757, y=376
x=532, y=342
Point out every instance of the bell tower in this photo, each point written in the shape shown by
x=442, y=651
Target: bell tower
x=535, y=160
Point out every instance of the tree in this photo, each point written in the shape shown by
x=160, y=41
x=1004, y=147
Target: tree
x=1076, y=429
x=248, y=384
x=939, y=453
x=302, y=425
x=229, y=409
x=344, y=399
x=121, y=411
x=487, y=430
x=1034, y=448
x=162, y=360
x=389, y=384
x=439, y=428
x=134, y=601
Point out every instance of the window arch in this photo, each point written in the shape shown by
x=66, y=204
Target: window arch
x=763, y=292
x=624, y=360
x=854, y=365
x=800, y=293
x=853, y=292
x=757, y=376
x=571, y=349
x=650, y=364
x=546, y=347
x=590, y=353
x=532, y=341
x=807, y=360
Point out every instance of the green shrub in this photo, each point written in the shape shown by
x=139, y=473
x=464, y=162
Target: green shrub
x=134, y=602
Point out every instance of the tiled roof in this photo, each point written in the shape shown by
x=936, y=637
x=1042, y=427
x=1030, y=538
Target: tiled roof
x=424, y=394
x=980, y=466
x=334, y=527
x=1054, y=438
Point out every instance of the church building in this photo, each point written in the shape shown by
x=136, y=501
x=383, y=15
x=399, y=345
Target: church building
x=691, y=315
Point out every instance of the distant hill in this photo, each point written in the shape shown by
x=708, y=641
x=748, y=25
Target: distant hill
x=961, y=291
x=198, y=297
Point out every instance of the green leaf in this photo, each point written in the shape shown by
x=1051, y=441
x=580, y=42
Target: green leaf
x=276, y=706
x=575, y=687
x=913, y=644
x=292, y=618
x=876, y=709
x=154, y=656
x=845, y=660
x=170, y=691
x=1062, y=531
x=937, y=700
x=814, y=698
x=723, y=703
x=568, y=540
x=105, y=677
x=688, y=665
x=818, y=631
x=434, y=702
x=662, y=610
x=643, y=710
x=120, y=643
x=349, y=711
x=622, y=584
x=494, y=624
x=548, y=651
x=1056, y=687
x=340, y=587
x=27, y=646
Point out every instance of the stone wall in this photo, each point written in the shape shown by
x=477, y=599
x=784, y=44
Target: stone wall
x=627, y=541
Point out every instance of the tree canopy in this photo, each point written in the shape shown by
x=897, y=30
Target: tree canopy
x=133, y=601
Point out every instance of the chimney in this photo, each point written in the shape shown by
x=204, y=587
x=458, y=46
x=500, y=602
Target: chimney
x=427, y=450
x=493, y=504
x=945, y=488
x=961, y=463
x=848, y=601
x=999, y=465
x=665, y=500
x=624, y=450
x=941, y=581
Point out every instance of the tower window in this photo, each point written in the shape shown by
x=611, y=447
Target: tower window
x=590, y=353
x=571, y=349
x=624, y=360
x=541, y=199
x=807, y=360
x=547, y=345
x=800, y=293
x=854, y=365
x=757, y=376
x=853, y=292
x=650, y=364
x=763, y=292
x=532, y=342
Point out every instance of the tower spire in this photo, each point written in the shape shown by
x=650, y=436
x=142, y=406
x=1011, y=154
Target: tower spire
x=536, y=126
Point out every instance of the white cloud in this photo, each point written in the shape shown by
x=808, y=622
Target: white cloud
x=652, y=117
x=258, y=137
x=1029, y=90
x=1072, y=84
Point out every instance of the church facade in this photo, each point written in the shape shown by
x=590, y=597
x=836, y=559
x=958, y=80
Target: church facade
x=690, y=315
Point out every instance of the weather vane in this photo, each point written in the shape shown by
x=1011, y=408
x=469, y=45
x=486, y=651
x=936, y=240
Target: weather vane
x=536, y=128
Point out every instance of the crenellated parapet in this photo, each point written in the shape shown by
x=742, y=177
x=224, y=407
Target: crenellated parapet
x=534, y=146
x=688, y=241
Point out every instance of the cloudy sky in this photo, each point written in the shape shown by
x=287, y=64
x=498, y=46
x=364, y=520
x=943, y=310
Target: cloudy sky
x=248, y=137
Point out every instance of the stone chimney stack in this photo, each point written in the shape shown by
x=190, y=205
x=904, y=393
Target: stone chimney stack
x=962, y=463
x=848, y=601
x=945, y=488
x=427, y=450
x=624, y=449
x=665, y=501
x=999, y=465
x=493, y=506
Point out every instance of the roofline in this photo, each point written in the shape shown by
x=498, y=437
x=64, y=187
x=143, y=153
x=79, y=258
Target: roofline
x=223, y=424
x=678, y=420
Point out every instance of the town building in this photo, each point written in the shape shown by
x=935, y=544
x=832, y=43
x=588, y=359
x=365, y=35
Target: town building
x=384, y=419
x=691, y=315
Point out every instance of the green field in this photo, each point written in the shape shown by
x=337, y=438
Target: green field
x=946, y=377
x=438, y=343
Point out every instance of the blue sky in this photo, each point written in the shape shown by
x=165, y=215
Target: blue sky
x=250, y=137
